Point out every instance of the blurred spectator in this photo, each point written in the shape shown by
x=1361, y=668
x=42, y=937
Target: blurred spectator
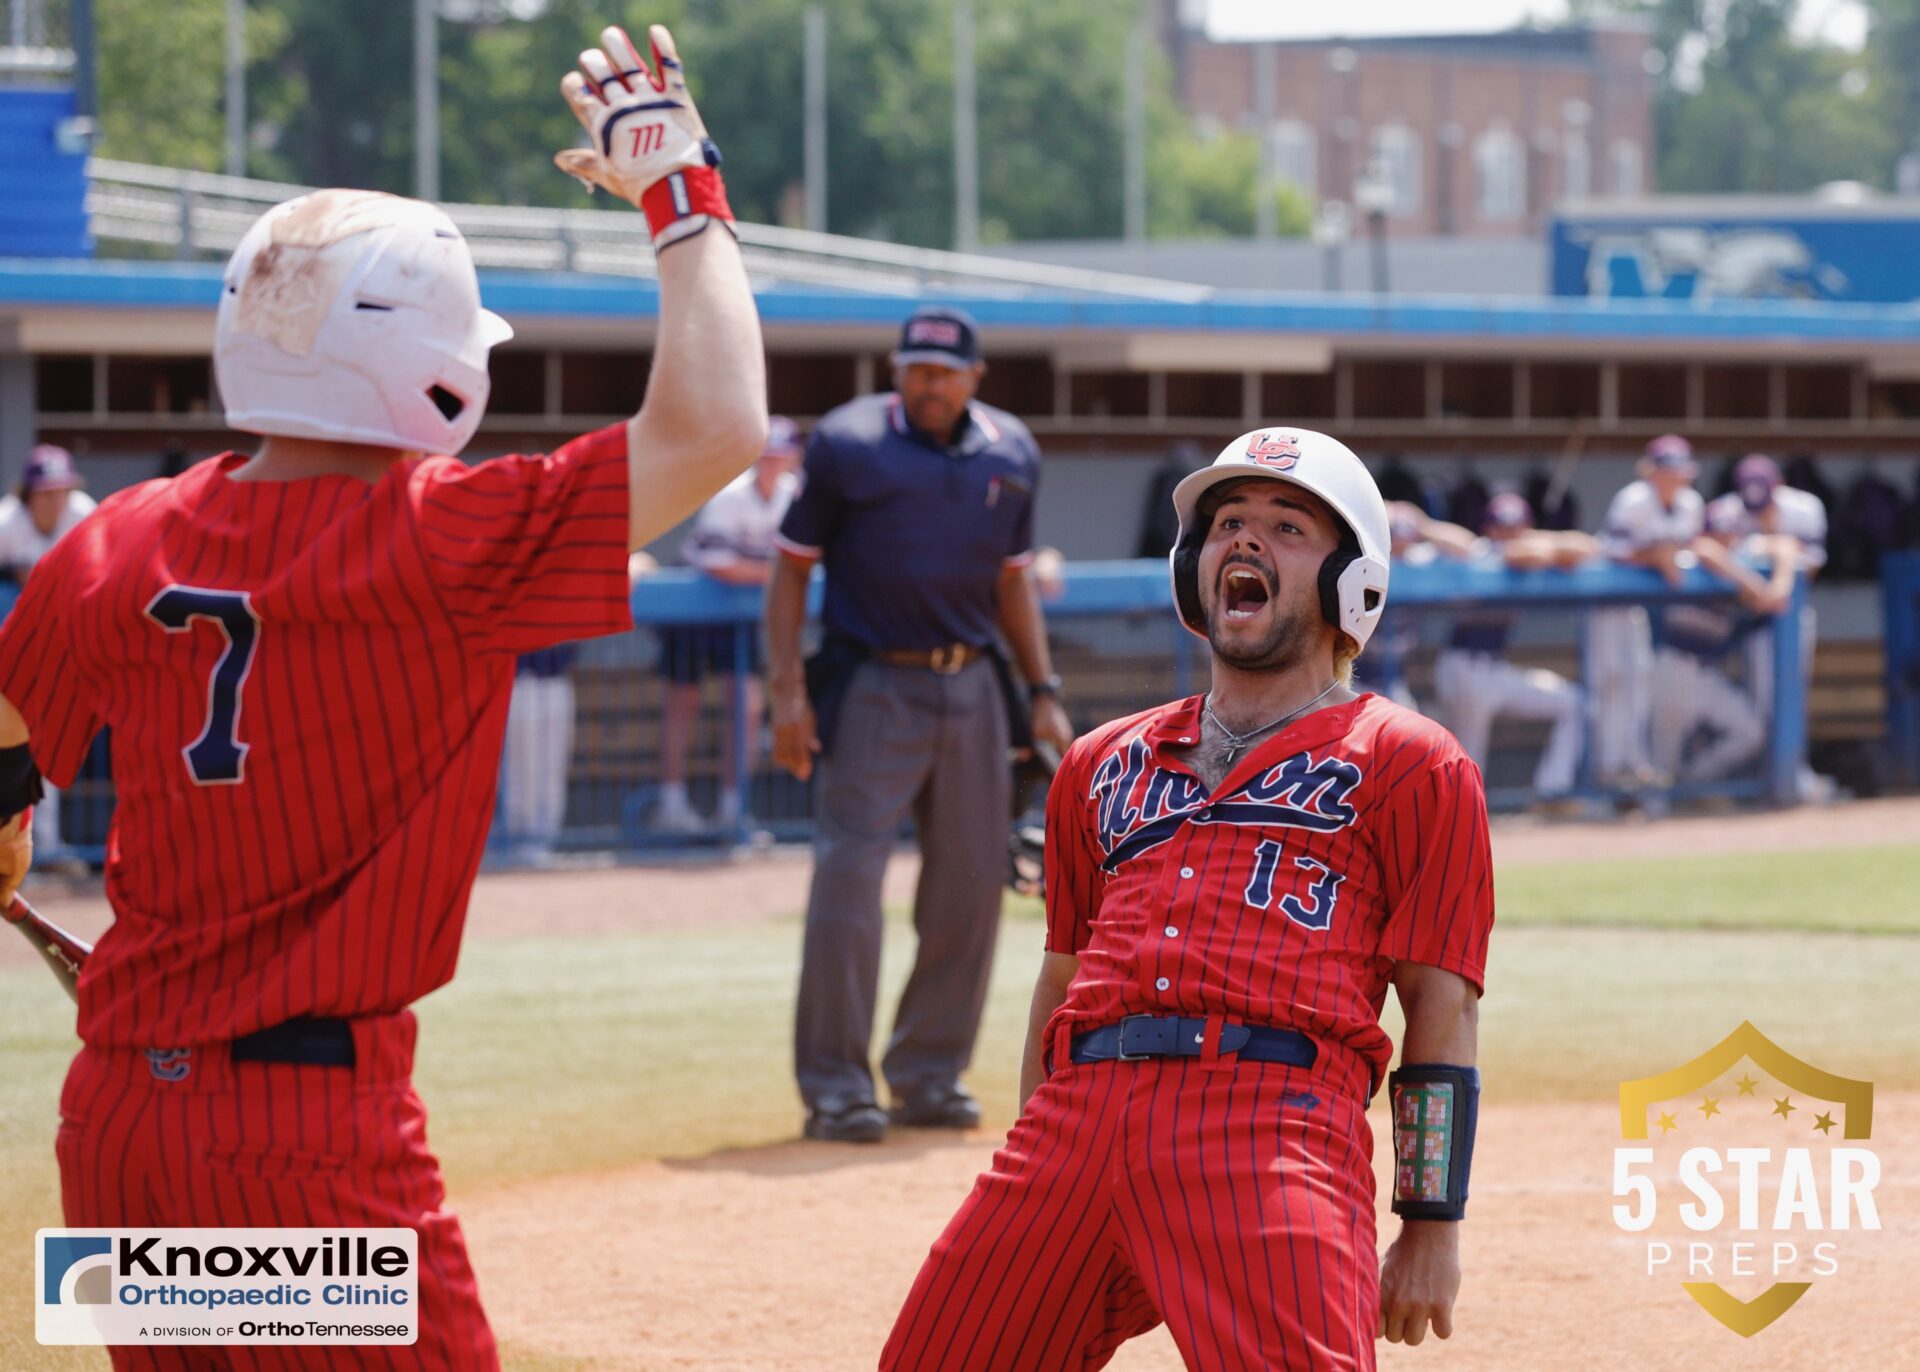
x=1556, y=511
x=50, y=502
x=1397, y=482
x=1467, y=501
x=48, y=505
x=732, y=542
x=1653, y=522
x=1160, y=522
x=1474, y=681
x=1704, y=724
x=539, y=754
x=1382, y=669
x=1774, y=526
x=1867, y=524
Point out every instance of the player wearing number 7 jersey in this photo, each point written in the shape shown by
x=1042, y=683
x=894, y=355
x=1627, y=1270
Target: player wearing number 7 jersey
x=305, y=658
x=1233, y=881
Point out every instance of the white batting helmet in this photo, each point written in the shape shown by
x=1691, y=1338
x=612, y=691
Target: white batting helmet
x=355, y=316
x=1353, y=579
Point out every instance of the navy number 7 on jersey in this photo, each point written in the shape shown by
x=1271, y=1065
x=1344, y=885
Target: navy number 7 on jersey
x=217, y=757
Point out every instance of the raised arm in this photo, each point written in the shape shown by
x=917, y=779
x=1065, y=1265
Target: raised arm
x=705, y=414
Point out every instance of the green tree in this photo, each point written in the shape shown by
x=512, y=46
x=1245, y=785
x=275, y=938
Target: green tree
x=1747, y=106
x=330, y=92
x=160, y=81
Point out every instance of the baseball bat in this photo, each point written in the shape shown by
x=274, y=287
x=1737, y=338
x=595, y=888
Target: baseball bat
x=65, y=954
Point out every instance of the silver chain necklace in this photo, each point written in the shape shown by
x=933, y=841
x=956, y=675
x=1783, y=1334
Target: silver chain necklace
x=1237, y=743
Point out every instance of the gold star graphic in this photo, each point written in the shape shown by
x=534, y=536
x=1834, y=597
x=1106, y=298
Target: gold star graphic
x=1708, y=1107
x=1667, y=1123
x=1823, y=1122
x=1746, y=1084
x=1784, y=1106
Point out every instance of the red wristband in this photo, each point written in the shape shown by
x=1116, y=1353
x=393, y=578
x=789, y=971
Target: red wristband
x=686, y=193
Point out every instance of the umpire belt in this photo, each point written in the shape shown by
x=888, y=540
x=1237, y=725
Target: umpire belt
x=1138, y=1037
x=947, y=659
x=315, y=1041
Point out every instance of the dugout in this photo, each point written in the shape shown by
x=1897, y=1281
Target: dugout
x=110, y=357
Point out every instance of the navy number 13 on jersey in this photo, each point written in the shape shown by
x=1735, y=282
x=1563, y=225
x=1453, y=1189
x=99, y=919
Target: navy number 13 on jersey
x=217, y=757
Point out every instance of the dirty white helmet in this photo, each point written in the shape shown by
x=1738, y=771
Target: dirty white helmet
x=1353, y=579
x=355, y=316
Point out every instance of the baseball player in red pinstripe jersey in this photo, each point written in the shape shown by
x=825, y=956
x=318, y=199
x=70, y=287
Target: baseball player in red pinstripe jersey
x=305, y=657
x=1233, y=881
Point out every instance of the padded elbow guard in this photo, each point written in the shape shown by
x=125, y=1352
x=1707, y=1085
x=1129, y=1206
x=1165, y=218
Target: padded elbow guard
x=1436, y=1108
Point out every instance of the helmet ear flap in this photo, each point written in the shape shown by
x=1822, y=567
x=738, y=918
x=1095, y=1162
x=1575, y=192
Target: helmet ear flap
x=1336, y=563
x=1186, y=582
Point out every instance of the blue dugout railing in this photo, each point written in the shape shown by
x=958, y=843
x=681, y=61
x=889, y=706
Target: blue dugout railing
x=1115, y=617
x=1132, y=589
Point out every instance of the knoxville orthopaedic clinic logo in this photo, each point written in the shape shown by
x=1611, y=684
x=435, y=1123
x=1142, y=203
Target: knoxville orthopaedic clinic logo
x=1785, y=1148
x=226, y=1286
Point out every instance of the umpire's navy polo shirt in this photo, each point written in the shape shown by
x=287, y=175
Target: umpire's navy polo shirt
x=913, y=533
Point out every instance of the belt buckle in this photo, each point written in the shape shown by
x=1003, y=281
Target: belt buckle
x=948, y=658
x=1121, y=1043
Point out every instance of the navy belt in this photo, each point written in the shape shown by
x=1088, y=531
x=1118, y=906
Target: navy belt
x=1149, y=1036
x=316, y=1041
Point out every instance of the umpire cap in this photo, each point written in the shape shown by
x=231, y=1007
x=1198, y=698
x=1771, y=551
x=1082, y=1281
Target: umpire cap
x=938, y=335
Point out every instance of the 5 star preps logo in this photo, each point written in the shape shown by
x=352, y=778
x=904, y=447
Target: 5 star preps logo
x=1747, y=1188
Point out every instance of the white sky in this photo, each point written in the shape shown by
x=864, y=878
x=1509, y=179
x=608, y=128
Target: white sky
x=1838, y=21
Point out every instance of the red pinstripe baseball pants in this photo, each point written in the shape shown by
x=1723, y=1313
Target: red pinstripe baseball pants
x=263, y=1144
x=1235, y=1202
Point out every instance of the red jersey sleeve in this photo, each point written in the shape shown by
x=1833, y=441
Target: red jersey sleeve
x=39, y=669
x=1072, y=858
x=529, y=552
x=1438, y=872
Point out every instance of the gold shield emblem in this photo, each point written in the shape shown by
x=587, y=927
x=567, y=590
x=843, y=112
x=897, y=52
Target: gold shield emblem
x=1637, y=1114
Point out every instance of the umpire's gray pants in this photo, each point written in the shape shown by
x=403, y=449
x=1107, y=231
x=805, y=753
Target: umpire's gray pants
x=908, y=740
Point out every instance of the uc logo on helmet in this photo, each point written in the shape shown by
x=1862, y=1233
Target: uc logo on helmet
x=1278, y=451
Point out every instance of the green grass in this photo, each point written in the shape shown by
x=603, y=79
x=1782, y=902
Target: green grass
x=1869, y=890
x=554, y=1055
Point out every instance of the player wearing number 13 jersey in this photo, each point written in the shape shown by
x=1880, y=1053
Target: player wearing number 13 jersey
x=305, y=658
x=1233, y=881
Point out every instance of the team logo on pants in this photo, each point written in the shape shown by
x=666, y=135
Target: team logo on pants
x=1750, y=1190
x=170, y=1064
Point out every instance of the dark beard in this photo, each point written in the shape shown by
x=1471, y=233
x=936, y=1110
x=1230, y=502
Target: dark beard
x=1283, y=646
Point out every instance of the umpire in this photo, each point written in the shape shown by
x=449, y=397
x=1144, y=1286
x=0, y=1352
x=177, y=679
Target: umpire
x=920, y=505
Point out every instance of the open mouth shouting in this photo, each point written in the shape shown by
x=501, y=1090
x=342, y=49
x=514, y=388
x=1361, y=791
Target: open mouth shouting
x=1243, y=592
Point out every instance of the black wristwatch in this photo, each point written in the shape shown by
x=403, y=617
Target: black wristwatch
x=1049, y=686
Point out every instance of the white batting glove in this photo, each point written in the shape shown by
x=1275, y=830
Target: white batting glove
x=649, y=146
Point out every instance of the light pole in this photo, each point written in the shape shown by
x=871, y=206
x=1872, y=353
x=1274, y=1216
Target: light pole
x=1332, y=227
x=1373, y=197
x=426, y=101
x=236, y=87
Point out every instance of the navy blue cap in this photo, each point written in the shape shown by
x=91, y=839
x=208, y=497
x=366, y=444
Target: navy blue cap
x=1671, y=453
x=939, y=335
x=50, y=469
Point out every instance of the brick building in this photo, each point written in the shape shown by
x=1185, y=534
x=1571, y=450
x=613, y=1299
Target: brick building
x=1477, y=134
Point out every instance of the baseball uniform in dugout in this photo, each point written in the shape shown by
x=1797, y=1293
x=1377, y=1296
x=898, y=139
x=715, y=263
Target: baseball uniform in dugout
x=913, y=534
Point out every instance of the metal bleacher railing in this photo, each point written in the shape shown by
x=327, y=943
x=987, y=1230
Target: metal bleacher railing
x=1118, y=647
x=190, y=215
